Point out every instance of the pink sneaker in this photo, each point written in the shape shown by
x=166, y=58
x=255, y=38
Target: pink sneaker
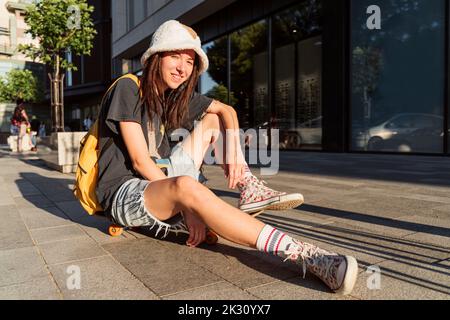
x=257, y=197
x=338, y=272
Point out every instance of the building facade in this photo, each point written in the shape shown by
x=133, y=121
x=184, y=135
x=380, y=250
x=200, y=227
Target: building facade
x=331, y=75
x=13, y=33
x=85, y=87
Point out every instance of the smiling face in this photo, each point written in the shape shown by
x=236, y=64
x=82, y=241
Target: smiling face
x=177, y=67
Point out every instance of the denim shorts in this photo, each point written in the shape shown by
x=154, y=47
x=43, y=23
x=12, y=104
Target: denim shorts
x=128, y=207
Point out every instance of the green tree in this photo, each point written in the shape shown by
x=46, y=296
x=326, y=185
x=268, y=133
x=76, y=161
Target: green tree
x=61, y=26
x=20, y=84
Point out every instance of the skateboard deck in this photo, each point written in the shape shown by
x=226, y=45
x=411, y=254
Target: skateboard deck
x=115, y=230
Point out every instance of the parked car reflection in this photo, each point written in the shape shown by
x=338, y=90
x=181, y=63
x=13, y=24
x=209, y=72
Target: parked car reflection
x=426, y=140
x=405, y=132
x=307, y=133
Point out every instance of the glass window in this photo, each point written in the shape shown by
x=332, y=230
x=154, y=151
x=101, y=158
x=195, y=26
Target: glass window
x=249, y=75
x=213, y=83
x=297, y=43
x=398, y=77
x=137, y=11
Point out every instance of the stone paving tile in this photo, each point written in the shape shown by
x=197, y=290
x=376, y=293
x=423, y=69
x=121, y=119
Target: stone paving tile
x=22, y=188
x=381, y=225
x=442, y=226
x=431, y=191
x=11, y=177
x=328, y=182
x=6, y=199
x=21, y=265
x=440, y=242
x=217, y=291
x=100, y=278
x=160, y=269
x=37, y=218
x=423, y=282
x=235, y=264
x=443, y=263
x=13, y=232
x=395, y=221
x=30, y=202
x=310, y=288
x=97, y=229
x=52, y=177
x=297, y=217
x=435, y=231
x=66, y=195
x=42, y=288
x=69, y=250
x=53, y=234
x=379, y=245
x=72, y=209
x=387, y=207
x=442, y=212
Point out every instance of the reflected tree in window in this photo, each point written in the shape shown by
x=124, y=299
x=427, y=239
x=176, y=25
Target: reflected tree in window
x=296, y=38
x=214, y=82
x=396, y=70
x=249, y=52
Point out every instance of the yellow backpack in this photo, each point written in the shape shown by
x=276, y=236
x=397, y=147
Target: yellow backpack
x=87, y=171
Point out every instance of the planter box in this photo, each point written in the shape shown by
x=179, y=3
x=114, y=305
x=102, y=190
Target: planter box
x=64, y=148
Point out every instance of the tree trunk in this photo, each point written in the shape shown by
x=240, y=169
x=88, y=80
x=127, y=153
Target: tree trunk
x=57, y=98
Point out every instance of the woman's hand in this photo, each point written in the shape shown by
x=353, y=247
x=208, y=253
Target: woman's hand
x=234, y=165
x=234, y=172
x=196, y=228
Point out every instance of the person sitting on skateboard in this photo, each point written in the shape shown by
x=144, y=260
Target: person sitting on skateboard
x=134, y=191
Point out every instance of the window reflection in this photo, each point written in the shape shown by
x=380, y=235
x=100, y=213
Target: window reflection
x=397, y=77
x=214, y=82
x=298, y=76
x=136, y=11
x=249, y=74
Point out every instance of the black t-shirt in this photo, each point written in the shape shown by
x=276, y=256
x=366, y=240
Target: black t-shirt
x=123, y=103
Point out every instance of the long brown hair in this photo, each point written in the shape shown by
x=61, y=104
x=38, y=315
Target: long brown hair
x=171, y=106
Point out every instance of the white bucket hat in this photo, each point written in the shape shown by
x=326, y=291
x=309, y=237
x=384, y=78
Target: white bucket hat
x=171, y=36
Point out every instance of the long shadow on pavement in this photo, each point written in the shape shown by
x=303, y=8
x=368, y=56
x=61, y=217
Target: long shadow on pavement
x=375, y=245
x=55, y=190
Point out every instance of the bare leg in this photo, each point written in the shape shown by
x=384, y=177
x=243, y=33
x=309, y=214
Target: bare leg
x=208, y=132
x=19, y=144
x=255, y=196
x=165, y=198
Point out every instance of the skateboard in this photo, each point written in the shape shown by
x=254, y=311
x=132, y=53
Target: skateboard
x=116, y=230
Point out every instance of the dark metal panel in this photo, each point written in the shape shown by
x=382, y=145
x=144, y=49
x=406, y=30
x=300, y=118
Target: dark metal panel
x=335, y=75
x=447, y=84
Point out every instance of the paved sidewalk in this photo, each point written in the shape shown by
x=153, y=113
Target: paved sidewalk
x=391, y=212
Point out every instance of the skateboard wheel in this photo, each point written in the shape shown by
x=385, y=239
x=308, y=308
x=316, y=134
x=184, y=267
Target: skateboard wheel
x=211, y=238
x=114, y=230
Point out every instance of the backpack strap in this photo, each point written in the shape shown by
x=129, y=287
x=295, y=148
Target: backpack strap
x=127, y=76
x=106, y=146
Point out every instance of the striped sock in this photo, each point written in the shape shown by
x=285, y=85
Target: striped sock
x=274, y=241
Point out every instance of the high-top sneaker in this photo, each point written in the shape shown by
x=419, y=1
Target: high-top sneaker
x=256, y=197
x=338, y=272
